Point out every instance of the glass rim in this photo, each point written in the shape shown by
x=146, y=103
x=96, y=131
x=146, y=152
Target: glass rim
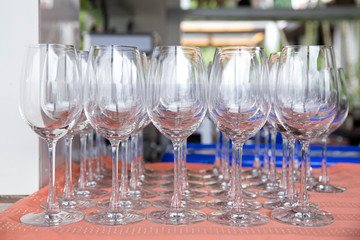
x=240, y=47
x=172, y=47
x=308, y=46
x=122, y=47
x=58, y=45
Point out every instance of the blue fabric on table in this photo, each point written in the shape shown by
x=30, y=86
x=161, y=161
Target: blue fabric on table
x=205, y=153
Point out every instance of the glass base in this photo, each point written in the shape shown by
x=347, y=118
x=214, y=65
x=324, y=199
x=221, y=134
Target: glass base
x=170, y=185
x=154, y=176
x=74, y=204
x=273, y=194
x=185, y=204
x=284, y=203
x=326, y=188
x=88, y=193
x=143, y=194
x=225, y=205
x=57, y=218
x=136, y=204
x=306, y=217
x=99, y=184
x=170, y=217
x=208, y=177
x=211, y=171
x=265, y=185
x=121, y=217
x=242, y=219
x=253, y=172
x=220, y=185
x=224, y=194
x=159, y=171
x=257, y=178
x=188, y=194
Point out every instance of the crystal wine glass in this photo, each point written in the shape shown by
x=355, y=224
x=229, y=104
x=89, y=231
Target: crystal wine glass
x=306, y=97
x=114, y=101
x=50, y=100
x=176, y=105
x=341, y=114
x=239, y=108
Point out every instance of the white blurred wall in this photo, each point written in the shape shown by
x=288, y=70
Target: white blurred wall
x=19, y=145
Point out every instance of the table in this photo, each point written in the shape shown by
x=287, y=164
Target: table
x=345, y=206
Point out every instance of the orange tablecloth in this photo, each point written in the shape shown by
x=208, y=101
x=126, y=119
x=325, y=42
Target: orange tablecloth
x=345, y=206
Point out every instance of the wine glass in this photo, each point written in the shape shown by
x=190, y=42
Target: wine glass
x=341, y=114
x=82, y=189
x=305, y=101
x=114, y=101
x=239, y=108
x=50, y=100
x=176, y=105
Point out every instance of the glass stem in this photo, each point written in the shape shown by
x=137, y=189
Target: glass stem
x=217, y=163
x=134, y=149
x=114, y=197
x=272, y=174
x=51, y=200
x=68, y=191
x=83, y=157
x=283, y=180
x=98, y=154
x=290, y=191
x=184, y=184
x=303, y=201
x=90, y=159
x=324, y=178
x=257, y=164
x=225, y=157
x=124, y=189
x=232, y=188
x=176, y=198
x=266, y=151
x=141, y=154
x=239, y=205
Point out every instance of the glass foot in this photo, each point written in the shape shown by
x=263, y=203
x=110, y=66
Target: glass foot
x=154, y=177
x=158, y=171
x=208, y=177
x=211, y=171
x=225, y=205
x=225, y=194
x=99, y=184
x=326, y=188
x=172, y=217
x=257, y=178
x=57, y=218
x=121, y=217
x=170, y=185
x=307, y=217
x=273, y=194
x=284, y=203
x=143, y=194
x=265, y=185
x=74, y=204
x=88, y=193
x=221, y=185
x=242, y=219
x=127, y=204
x=185, y=204
x=253, y=172
x=187, y=194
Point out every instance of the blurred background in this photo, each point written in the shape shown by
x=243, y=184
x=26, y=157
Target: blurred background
x=148, y=23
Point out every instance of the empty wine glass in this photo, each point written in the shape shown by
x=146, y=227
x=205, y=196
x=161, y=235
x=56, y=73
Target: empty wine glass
x=239, y=108
x=341, y=114
x=176, y=105
x=114, y=101
x=82, y=189
x=306, y=96
x=50, y=100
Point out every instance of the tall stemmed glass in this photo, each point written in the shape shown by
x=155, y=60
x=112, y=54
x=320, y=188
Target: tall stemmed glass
x=238, y=106
x=114, y=101
x=50, y=100
x=341, y=114
x=82, y=188
x=306, y=97
x=176, y=105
